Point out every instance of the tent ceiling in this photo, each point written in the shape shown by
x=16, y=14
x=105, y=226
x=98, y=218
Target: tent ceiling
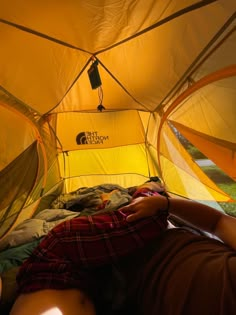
x=145, y=49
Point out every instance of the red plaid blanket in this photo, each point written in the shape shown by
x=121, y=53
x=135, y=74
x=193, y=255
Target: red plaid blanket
x=74, y=248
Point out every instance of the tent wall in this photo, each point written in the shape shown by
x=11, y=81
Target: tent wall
x=104, y=147
x=29, y=165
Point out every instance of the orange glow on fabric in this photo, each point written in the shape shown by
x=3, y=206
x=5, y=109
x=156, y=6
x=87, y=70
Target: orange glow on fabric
x=215, y=76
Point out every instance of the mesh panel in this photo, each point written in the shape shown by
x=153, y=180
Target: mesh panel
x=16, y=182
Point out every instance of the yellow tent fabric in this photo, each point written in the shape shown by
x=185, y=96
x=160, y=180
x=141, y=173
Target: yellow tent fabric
x=222, y=152
x=160, y=63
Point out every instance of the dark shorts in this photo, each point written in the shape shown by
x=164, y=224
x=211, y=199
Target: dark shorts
x=182, y=273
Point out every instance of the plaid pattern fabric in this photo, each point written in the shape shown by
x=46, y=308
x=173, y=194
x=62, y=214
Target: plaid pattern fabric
x=146, y=191
x=73, y=250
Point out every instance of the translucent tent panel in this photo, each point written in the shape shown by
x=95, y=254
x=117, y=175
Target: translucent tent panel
x=48, y=173
x=207, y=119
x=105, y=145
x=78, y=131
x=81, y=97
x=51, y=55
x=220, y=54
x=153, y=123
x=164, y=72
x=126, y=166
x=13, y=126
x=211, y=110
x=57, y=69
x=17, y=181
x=104, y=23
x=28, y=156
x=222, y=153
x=182, y=175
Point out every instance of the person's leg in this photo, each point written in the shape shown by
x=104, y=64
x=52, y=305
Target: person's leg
x=53, y=302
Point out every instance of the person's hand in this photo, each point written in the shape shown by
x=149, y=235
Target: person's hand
x=143, y=207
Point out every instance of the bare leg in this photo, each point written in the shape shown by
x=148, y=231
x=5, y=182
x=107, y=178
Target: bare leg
x=53, y=302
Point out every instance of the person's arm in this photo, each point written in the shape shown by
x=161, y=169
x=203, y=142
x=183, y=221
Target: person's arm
x=196, y=214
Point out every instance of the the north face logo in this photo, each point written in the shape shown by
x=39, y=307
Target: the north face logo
x=90, y=137
x=81, y=138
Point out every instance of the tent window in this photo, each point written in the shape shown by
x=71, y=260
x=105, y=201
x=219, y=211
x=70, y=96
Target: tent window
x=226, y=183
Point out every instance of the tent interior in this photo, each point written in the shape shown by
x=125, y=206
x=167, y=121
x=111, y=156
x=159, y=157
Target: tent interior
x=95, y=92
